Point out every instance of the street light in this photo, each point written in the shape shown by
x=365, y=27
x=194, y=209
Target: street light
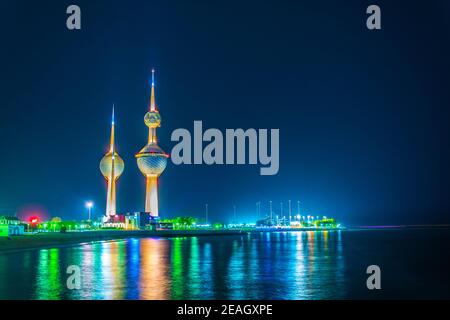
x=89, y=206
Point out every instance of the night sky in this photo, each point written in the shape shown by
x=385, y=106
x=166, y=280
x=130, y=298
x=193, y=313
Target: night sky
x=363, y=115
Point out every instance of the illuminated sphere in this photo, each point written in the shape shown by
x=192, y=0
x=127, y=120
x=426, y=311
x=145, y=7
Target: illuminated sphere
x=152, y=160
x=106, y=165
x=152, y=119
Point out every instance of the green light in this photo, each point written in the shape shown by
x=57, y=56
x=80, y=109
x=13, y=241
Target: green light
x=49, y=282
x=177, y=269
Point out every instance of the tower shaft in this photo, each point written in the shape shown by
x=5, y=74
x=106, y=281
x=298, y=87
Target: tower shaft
x=152, y=139
x=111, y=199
x=151, y=196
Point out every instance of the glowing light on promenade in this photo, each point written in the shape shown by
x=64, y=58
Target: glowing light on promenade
x=152, y=160
x=112, y=167
x=89, y=205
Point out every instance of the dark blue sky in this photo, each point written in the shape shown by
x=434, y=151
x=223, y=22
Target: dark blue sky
x=363, y=115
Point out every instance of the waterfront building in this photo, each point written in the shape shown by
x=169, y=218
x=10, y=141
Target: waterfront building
x=11, y=225
x=152, y=160
x=112, y=167
x=137, y=221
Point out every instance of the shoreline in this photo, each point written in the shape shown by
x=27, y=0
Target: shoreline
x=58, y=240
x=53, y=240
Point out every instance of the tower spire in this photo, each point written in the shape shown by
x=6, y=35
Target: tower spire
x=111, y=143
x=112, y=118
x=152, y=98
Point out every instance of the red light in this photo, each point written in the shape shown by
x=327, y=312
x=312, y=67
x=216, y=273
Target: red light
x=34, y=220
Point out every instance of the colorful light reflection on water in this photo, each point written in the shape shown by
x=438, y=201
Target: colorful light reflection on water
x=285, y=265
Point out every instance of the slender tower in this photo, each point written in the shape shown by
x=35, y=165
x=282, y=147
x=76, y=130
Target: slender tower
x=111, y=167
x=152, y=160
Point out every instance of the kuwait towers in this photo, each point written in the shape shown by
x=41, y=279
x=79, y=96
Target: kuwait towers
x=152, y=160
x=111, y=167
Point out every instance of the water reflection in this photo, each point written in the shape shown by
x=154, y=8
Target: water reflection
x=49, y=282
x=153, y=269
x=282, y=265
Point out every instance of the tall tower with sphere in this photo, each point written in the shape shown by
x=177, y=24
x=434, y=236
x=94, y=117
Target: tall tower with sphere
x=112, y=167
x=152, y=160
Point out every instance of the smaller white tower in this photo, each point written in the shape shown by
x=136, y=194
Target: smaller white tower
x=112, y=167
